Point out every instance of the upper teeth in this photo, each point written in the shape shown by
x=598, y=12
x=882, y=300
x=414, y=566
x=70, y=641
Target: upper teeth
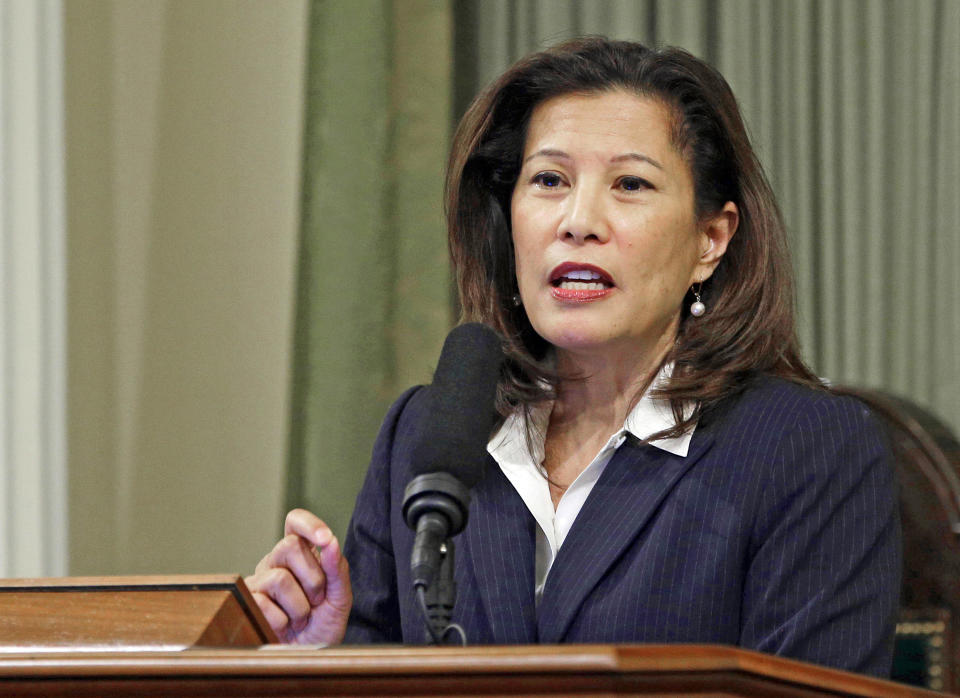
x=583, y=274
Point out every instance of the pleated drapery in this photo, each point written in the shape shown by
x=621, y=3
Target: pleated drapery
x=854, y=109
x=373, y=298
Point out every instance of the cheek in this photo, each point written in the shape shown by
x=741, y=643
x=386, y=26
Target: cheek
x=662, y=253
x=524, y=266
x=675, y=238
x=524, y=243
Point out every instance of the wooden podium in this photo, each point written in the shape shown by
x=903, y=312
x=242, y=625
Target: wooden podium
x=155, y=613
x=156, y=636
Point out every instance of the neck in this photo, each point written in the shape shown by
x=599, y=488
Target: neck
x=607, y=388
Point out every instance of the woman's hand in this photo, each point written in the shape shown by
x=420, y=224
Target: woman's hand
x=304, y=592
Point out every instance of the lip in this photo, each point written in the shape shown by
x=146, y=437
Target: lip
x=566, y=267
x=580, y=295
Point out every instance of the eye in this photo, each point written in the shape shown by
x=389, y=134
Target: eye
x=547, y=180
x=632, y=183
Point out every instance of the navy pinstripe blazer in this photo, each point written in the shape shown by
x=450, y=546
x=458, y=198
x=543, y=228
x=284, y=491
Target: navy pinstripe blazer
x=777, y=532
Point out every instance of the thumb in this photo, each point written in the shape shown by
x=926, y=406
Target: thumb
x=339, y=593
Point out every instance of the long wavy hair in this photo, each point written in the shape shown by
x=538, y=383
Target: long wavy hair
x=749, y=328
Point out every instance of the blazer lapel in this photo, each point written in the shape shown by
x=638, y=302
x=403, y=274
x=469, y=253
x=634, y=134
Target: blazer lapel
x=622, y=502
x=501, y=546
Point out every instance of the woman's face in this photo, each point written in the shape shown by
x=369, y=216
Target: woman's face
x=604, y=231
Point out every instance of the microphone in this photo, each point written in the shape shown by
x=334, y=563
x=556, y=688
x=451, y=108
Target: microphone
x=448, y=455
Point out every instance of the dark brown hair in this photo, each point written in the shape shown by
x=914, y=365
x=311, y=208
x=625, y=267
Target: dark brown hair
x=749, y=326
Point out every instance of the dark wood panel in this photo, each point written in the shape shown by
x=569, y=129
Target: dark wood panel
x=928, y=468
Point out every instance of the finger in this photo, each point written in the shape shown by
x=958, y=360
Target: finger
x=301, y=559
x=280, y=585
x=309, y=526
x=287, y=549
x=339, y=593
x=273, y=613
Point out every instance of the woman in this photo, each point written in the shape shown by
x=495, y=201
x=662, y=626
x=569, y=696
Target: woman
x=667, y=469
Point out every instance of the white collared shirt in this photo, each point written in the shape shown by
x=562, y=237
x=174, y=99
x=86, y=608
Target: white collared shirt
x=525, y=472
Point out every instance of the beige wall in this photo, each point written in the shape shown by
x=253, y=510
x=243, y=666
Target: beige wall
x=183, y=160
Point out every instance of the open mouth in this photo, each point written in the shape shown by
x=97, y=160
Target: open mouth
x=579, y=282
x=580, y=277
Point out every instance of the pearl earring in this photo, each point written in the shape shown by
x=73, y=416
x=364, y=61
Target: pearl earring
x=697, y=308
x=517, y=300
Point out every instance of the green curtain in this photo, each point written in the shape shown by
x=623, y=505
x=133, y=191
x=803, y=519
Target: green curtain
x=854, y=108
x=373, y=299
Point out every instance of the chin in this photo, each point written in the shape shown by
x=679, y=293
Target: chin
x=588, y=328
x=580, y=337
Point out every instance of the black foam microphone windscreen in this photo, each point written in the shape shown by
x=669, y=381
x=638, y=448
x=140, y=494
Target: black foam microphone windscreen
x=462, y=400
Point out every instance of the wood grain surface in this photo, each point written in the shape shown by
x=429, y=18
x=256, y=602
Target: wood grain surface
x=583, y=670
x=143, y=612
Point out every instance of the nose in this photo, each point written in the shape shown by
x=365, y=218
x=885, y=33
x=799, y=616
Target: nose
x=584, y=219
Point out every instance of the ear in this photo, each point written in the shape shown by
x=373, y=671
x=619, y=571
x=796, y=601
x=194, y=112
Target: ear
x=715, y=234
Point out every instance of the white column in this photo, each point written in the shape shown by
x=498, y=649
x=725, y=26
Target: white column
x=33, y=535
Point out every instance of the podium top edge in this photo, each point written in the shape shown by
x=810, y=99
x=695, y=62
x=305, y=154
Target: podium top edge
x=125, y=582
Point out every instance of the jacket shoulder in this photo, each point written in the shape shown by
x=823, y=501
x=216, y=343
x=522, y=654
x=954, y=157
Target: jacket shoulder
x=774, y=405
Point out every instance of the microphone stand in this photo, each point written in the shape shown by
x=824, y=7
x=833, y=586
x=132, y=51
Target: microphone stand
x=439, y=598
x=435, y=507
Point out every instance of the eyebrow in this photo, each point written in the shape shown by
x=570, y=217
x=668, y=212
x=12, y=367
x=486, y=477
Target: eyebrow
x=637, y=156
x=548, y=152
x=554, y=153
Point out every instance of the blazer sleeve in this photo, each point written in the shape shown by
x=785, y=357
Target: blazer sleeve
x=823, y=577
x=375, y=615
